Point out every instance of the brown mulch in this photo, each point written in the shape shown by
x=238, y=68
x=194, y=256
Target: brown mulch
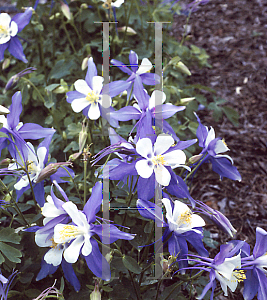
x=234, y=34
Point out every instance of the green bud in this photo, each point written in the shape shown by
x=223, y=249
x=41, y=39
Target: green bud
x=183, y=68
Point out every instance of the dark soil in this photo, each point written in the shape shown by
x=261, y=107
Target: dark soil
x=234, y=34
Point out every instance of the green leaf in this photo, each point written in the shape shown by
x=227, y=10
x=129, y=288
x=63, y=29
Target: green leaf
x=8, y=235
x=131, y=264
x=51, y=87
x=10, y=253
x=61, y=69
x=217, y=111
x=231, y=114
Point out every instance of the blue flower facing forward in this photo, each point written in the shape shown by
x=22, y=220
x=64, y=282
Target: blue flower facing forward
x=69, y=232
x=9, y=28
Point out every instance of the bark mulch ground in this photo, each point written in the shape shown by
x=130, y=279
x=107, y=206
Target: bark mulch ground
x=234, y=34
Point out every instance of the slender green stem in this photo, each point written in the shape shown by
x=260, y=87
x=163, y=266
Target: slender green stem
x=68, y=36
x=85, y=160
x=159, y=284
x=174, y=288
x=192, y=172
x=185, y=29
x=72, y=180
x=127, y=23
x=16, y=207
x=136, y=287
x=78, y=34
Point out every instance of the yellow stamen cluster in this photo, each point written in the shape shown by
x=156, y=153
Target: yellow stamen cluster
x=92, y=97
x=3, y=30
x=239, y=275
x=107, y=4
x=185, y=218
x=54, y=244
x=158, y=160
x=69, y=231
x=30, y=166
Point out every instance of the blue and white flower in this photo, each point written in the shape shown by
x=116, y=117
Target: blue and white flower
x=157, y=157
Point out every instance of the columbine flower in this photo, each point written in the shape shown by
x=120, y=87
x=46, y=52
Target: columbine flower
x=13, y=81
x=35, y=163
x=74, y=238
x=182, y=226
x=17, y=132
x=5, y=284
x=135, y=72
x=88, y=95
x=256, y=264
x=9, y=28
x=157, y=157
x=212, y=149
x=154, y=104
x=218, y=218
x=225, y=267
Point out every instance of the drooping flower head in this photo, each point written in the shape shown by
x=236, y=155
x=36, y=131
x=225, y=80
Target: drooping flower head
x=35, y=164
x=213, y=149
x=17, y=132
x=182, y=226
x=9, y=28
x=225, y=267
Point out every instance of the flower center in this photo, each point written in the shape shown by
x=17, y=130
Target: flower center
x=185, y=218
x=158, y=160
x=55, y=245
x=239, y=275
x=4, y=31
x=92, y=97
x=69, y=232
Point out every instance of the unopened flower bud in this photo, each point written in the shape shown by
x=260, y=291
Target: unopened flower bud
x=195, y=158
x=84, y=6
x=84, y=63
x=66, y=10
x=5, y=162
x=187, y=100
x=129, y=30
x=183, y=68
x=95, y=295
x=50, y=170
x=12, y=82
x=5, y=63
x=74, y=156
x=83, y=136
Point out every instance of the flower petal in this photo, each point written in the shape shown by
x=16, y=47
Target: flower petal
x=144, y=148
x=143, y=168
x=81, y=86
x=79, y=104
x=163, y=176
x=93, y=112
x=162, y=144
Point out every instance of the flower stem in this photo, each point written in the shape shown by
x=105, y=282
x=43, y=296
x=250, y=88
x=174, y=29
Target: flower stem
x=16, y=207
